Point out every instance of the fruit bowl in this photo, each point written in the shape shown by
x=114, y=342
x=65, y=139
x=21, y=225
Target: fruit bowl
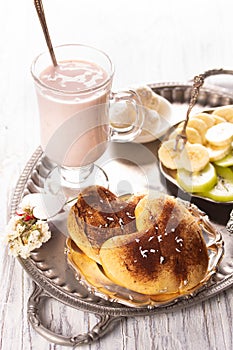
x=170, y=176
x=204, y=167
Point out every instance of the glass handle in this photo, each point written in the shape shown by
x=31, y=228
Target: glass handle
x=127, y=131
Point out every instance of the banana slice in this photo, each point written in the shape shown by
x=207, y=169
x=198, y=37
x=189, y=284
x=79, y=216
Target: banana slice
x=217, y=153
x=192, y=135
x=153, y=101
x=220, y=135
x=218, y=119
x=145, y=93
x=168, y=156
x=199, y=125
x=207, y=118
x=194, y=157
x=225, y=162
x=225, y=112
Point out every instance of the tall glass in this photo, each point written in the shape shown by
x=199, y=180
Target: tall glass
x=74, y=99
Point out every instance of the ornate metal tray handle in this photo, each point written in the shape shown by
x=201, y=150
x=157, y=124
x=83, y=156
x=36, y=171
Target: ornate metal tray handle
x=198, y=81
x=105, y=324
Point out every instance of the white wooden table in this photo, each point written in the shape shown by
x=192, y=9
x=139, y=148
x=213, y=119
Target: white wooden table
x=149, y=41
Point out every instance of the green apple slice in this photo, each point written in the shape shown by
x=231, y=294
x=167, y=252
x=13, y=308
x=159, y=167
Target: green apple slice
x=226, y=173
x=226, y=161
x=201, y=181
x=223, y=190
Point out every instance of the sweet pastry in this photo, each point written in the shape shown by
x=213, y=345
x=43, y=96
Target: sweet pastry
x=167, y=254
x=98, y=215
x=151, y=245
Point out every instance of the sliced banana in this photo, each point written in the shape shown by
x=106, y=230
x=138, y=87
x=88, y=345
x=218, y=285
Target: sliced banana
x=226, y=161
x=192, y=135
x=168, y=156
x=218, y=119
x=225, y=112
x=199, y=125
x=194, y=157
x=220, y=135
x=145, y=93
x=153, y=101
x=217, y=153
x=207, y=118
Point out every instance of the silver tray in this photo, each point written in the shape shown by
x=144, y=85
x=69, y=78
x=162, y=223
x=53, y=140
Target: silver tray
x=48, y=267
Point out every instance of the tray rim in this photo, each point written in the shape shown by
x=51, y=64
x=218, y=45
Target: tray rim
x=111, y=308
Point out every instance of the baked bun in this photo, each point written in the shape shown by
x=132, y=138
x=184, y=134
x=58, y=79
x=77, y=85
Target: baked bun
x=98, y=215
x=149, y=244
x=167, y=254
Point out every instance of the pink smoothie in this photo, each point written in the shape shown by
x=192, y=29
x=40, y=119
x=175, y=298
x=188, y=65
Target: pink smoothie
x=73, y=106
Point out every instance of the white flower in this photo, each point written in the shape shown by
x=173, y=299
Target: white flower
x=24, y=233
x=33, y=236
x=20, y=228
x=11, y=229
x=24, y=251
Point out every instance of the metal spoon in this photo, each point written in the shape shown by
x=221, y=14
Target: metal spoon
x=40, y=11
x=181, y=138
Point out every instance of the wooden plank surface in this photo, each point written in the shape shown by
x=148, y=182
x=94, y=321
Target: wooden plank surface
x=148, y=41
